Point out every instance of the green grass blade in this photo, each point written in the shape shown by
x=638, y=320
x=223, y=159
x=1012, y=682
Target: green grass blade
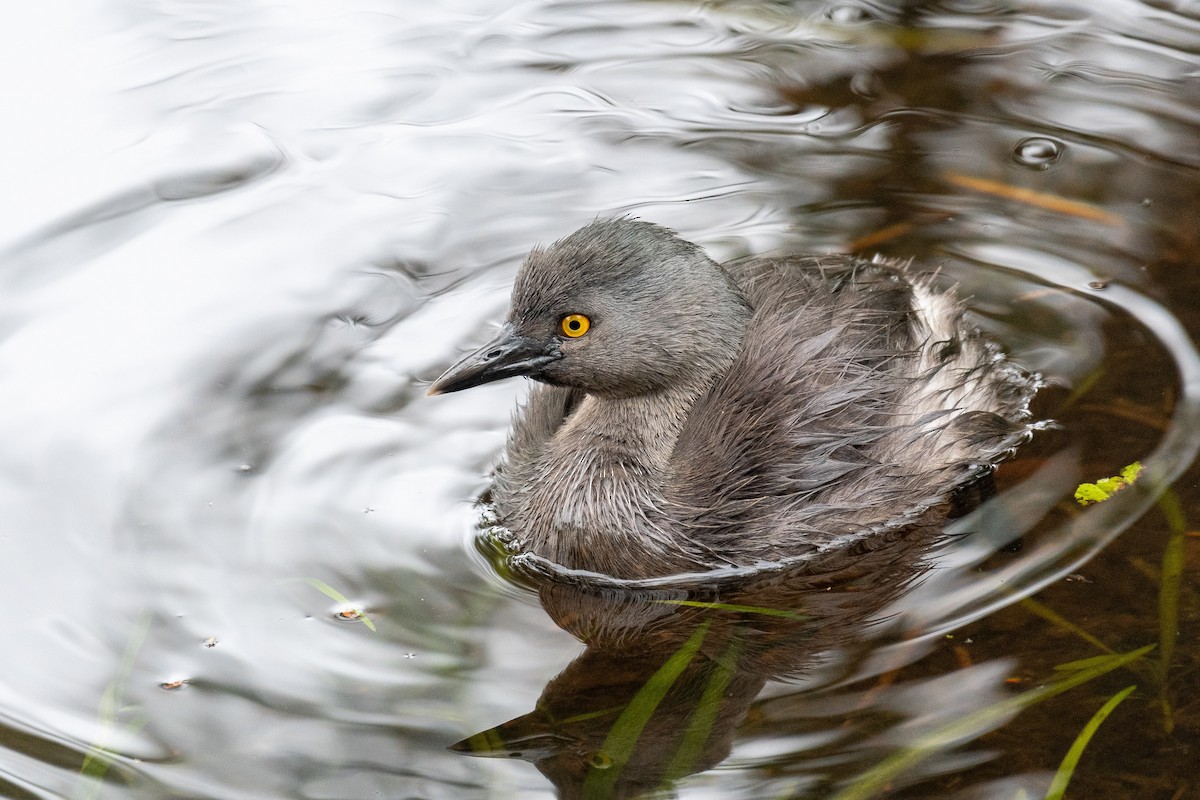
x=764, y=610
x=327, y=590
x=1058, y=787
x=1168, y=596
x=1092, y=661
x=618, y=745
x=1054, y=618
x=702, y=719
x=336, y=596
x=97, y=760
x=939, y=739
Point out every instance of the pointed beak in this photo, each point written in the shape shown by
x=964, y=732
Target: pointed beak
x=506, y=355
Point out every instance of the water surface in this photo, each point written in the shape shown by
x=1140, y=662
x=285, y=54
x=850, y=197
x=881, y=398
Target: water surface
x=239, y=239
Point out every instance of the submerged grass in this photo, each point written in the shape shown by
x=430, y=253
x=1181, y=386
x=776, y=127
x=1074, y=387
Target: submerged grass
x=1170, y=586
x=99, y=758
x=1168, y=598
x=739, y=609
x=945, y=736
x=622, y=737
x=1073, y=673
x=704, y=717
x=1058, y=786
x=113, y=713
x=1054, y=618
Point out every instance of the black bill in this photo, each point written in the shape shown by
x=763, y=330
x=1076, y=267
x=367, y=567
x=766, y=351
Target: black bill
x=506, y=355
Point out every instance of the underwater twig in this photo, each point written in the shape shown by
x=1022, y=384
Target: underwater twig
x=1032, y=197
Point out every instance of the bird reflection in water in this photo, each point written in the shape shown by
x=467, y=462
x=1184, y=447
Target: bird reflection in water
x=672, y=666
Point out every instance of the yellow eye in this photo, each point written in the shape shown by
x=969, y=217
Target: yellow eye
x=575, y=325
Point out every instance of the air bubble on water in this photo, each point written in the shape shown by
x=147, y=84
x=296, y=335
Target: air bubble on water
x=848, y=15
x=1037, y=152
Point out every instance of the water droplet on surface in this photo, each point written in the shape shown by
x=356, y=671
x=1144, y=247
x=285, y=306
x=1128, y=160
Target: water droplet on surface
x=1037, y=152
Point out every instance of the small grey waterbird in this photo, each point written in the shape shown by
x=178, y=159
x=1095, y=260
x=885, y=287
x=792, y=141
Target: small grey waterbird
x=692, y=415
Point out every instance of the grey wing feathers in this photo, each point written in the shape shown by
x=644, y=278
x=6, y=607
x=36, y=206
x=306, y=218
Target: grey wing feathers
x=859, y=397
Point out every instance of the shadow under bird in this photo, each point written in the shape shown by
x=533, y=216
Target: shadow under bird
x=694, y=415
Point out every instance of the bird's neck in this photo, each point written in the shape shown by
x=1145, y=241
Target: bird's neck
x=636, y=432
x=602, y=483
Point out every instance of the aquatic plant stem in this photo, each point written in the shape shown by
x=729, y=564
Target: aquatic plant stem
x=870, y=783
x=1168, y=597
x=1054, y=618
x=1058, y=786
x=98, y=759
x=619, y=744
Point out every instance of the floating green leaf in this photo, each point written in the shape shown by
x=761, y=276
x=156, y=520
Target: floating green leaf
x=1101, y=490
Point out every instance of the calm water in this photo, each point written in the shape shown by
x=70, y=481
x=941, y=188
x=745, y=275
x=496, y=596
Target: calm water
x=239, y=238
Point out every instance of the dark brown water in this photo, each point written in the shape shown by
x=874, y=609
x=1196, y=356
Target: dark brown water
x=239, y=238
